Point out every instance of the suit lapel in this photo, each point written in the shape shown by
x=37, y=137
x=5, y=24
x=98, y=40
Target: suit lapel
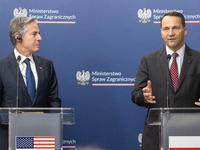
x=38, y=65
x=162, y=59
x=13, y=66
x=185, y=66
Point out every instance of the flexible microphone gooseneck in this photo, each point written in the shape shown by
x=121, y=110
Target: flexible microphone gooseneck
x=167, y=97
x=18, y=69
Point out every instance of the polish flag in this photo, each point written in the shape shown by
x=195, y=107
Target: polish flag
x=184, y=142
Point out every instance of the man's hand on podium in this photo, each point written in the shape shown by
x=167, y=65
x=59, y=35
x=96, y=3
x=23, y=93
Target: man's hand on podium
x=197, y=103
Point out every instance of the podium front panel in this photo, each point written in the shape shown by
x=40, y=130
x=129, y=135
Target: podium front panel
x=34, y=130
x=179, y=125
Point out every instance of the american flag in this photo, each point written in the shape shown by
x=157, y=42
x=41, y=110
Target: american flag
x=37, y=142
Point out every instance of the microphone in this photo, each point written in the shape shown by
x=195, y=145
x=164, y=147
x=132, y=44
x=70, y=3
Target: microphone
x=18, y=59
x=18, y=69
x=168, y=57
x=167, y=97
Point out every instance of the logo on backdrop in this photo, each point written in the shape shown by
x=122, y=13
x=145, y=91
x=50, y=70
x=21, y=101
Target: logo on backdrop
x=20, y=12
x=99, y=78
x=83, y=77
x=69, y=143
x=155, y=14
x=140, y=139
x=45, y=16
x=144, y=15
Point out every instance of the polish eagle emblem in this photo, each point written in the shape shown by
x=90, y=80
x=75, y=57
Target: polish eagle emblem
x=20, y=12
x=83, y=77
x=140, y=139
x=144, y=15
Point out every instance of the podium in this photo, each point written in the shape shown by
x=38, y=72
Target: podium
x=179, y=127
x=36, y=128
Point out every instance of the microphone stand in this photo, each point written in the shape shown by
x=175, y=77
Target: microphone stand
x=167, y=97
x=18, y=69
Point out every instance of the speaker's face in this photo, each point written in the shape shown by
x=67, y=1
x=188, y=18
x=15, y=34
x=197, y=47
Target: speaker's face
x=173, y=32
x=31, y=39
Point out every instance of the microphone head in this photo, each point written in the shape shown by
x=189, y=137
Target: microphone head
x=18, y=58
x=169, y=57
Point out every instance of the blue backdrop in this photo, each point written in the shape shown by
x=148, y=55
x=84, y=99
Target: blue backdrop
x=106, y=39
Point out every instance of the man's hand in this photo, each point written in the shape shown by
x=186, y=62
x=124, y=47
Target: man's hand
x=147, y=93
x=197, y=103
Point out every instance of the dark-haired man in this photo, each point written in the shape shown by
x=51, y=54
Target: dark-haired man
x=184, y=73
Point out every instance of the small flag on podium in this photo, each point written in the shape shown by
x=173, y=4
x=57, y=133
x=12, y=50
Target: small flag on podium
x=36, y=142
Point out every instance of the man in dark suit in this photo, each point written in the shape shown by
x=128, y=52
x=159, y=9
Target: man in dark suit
x=150, y=88
x=25, y=37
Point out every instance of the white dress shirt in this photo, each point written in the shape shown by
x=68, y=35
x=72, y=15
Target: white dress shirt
x=22, y=66
x=179, y=58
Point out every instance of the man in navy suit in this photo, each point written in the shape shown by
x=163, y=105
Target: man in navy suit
x=25, y=38
x=150, y=88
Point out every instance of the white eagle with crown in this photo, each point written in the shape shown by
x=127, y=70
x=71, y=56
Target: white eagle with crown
x=144, y=15
x=83, y=77
x=20, y=12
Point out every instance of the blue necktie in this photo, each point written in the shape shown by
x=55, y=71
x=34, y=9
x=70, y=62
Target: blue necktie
x=30, y=81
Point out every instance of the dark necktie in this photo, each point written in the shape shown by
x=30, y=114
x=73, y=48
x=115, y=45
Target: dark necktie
x=30, y=81
x=174, y=71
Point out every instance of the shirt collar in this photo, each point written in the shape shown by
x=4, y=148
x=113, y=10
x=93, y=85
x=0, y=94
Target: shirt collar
x=22, y=56
x=180, y=52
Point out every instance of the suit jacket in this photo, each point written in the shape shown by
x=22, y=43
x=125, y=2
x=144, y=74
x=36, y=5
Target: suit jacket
x=154, y=67
x=46, y=93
